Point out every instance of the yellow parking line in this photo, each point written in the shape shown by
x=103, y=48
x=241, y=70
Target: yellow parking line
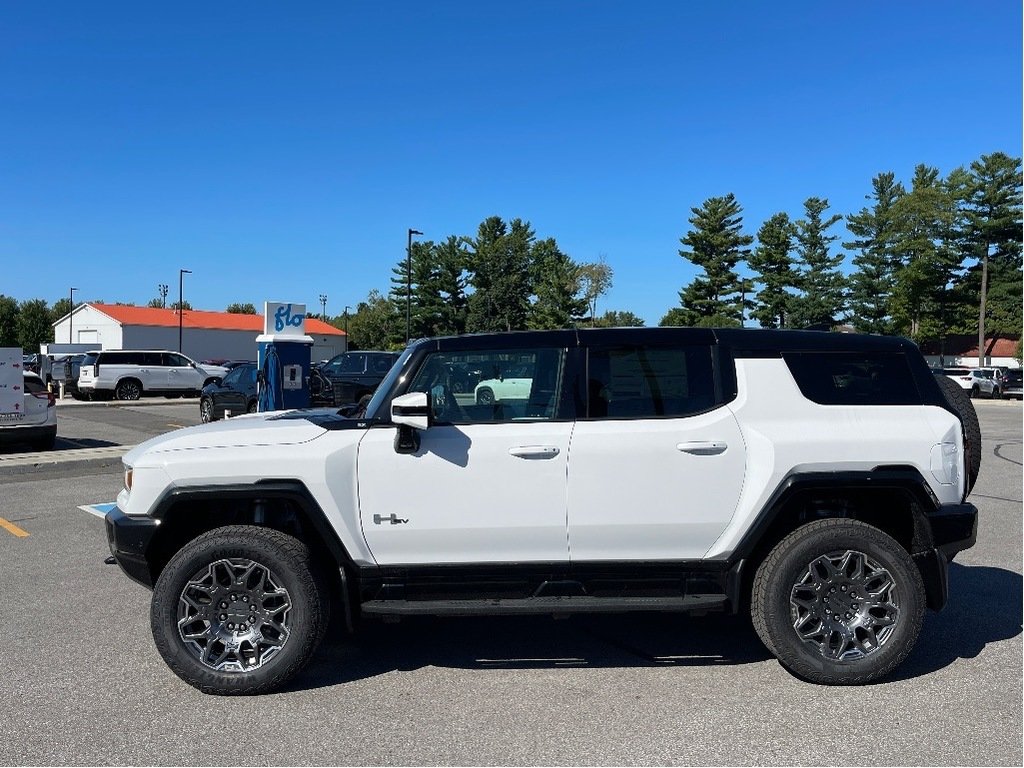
x=12, y=528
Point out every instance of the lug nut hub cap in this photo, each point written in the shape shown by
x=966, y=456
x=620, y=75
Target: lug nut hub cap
x=233, y=615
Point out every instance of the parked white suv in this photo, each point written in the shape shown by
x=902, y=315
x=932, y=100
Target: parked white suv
x=129, y=374
x=29, y=416
x=974, y=381
x=817, y=480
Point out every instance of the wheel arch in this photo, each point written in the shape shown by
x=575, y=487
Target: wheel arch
x=893, y=499
x=281, y=504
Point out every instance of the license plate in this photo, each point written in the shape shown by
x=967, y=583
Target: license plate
x=11, y=416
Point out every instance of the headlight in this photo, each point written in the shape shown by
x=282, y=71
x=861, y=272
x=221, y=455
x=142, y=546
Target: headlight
x=128, y=478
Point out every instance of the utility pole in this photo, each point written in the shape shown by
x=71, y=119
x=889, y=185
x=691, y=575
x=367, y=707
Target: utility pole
x=408, y=283
x=71, y=318
x=181, y=302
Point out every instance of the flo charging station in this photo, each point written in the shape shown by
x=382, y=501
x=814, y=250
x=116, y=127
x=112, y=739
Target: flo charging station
x=283, y=357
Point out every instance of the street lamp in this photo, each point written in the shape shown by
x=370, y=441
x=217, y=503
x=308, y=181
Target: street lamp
x=162, y=288
x=181, y=301
x=346, y=325
x=323, y=306
x=408, y=282
x=71, y=318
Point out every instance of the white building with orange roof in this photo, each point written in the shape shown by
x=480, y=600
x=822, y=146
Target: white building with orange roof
x=204, y=335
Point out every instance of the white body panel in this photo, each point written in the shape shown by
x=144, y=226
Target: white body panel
x=653, y=489
x=245, y=450
x=471, y=494
x=783, y=434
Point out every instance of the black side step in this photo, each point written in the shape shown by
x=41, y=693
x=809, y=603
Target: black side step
x=542, y=605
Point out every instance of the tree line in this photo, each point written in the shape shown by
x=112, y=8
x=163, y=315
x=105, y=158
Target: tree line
x=938, y=257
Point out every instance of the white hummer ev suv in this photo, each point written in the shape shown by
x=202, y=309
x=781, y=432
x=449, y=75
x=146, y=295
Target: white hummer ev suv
x=816, y=480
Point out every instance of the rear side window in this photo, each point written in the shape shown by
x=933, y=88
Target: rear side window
x=854, y=378
x=649, y=382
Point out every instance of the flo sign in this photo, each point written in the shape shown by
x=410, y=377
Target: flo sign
x=281, y=319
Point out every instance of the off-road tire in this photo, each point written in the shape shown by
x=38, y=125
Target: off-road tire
x=774, y=613
x=292, y=565
x=958, y=400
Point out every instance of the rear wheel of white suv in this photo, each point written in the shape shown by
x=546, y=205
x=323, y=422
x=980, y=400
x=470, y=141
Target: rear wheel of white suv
x=239, y=610
x=838, y=602
x=128, y=389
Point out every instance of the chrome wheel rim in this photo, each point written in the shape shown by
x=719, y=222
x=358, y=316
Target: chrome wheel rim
x=128, y=390
x=206, y=411
x=844, y=605
x=234, y=616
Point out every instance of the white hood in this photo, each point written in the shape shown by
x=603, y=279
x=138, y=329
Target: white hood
x=252, y=430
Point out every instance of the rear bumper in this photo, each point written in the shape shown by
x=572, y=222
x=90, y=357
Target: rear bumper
x=11, y=434
x=128, y=539
x=954, y=528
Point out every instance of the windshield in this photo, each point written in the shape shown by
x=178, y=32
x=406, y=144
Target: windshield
x=398, y=370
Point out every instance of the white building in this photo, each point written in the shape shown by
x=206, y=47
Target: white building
x=204, y=335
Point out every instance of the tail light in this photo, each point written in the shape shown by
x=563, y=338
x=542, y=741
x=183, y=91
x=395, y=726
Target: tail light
x=51, y=399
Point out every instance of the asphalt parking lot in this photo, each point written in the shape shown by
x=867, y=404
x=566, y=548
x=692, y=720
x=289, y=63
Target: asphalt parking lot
x=83, y=683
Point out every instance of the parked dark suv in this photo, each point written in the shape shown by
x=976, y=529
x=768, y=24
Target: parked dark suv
x=349, y=377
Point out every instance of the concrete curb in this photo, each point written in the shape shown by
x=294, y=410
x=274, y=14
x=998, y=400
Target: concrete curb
x=26, y=463
x=72, y=403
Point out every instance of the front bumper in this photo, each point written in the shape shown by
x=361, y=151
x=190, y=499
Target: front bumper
x=129, y=539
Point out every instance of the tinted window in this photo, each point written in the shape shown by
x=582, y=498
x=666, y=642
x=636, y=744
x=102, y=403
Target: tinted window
x=507, y=385
x=233, y=378
x=352, y=364
x=1014, y=377
x=34, y=386
x=648, y=382
x=853, y=378
x=121, y=358
x=175, y=361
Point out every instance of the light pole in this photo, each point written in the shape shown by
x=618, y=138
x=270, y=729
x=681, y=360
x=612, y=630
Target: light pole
x=408, y=282
x=71, y=318
x=323, y=306
x=346, y=325
x=181, y=301
x=162, y=287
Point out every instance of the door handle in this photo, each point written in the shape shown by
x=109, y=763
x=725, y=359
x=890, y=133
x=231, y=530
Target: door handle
x=533, y=451
x=702, y=447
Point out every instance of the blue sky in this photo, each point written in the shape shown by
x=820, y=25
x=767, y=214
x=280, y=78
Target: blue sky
x=280, y=151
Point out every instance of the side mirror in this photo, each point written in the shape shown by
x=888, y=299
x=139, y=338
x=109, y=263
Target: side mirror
x=412, y=409
x=411, y=412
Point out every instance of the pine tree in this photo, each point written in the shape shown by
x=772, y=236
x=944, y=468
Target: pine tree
x=500, y=275
x=993, y=213
x=556, y=286
x=716, y=245
x=925, y=244
x=822, y=301
x=773, y=266
x=875, y=231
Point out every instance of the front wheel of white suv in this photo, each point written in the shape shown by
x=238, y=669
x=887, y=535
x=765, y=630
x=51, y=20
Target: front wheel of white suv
x=838, y=602
x=239, y=610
